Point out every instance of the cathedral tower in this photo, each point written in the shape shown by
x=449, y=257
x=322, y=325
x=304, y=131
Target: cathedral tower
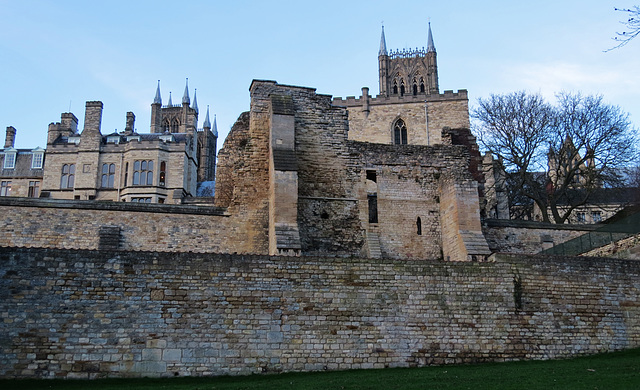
x=408, y=72
x=174, y=118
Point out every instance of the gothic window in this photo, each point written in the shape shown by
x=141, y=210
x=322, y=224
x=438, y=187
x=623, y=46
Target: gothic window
x=165, y=126
x=402, y=88
x=34, y=189
x=174, y=125
x=415, y=86
x=422, y=85
x=400, y=133
x=68, y=176
x=143, y=173
x=395, y=87
x=163, y=174
x=108, y=175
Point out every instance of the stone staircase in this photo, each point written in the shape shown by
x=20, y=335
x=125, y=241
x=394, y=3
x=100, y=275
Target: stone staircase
x=373, y=241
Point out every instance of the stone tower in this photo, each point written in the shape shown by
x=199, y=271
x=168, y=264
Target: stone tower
x=174, y=118
x=408, y=72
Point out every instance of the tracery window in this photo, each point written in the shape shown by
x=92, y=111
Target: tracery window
x=415, y=86
x=395, y=87
x=402, y=89
x=422, y=85
x=142, y=172
x=400, y=133
x=174, y=125
x=165, y=126
x=68, y=176
x=108, y=175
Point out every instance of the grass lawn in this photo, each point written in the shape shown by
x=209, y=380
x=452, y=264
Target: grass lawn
x=619, y=370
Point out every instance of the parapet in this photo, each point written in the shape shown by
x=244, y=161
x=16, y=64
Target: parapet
x=352, y=101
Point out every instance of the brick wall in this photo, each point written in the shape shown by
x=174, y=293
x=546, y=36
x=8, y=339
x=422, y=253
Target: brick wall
x=88, y=314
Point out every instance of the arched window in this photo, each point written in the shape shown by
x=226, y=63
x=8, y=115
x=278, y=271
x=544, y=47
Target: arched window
x=415, y=86
x=421, y=85
x=174, y=125
x=400, y=133
x=401, y=87
x=395, y=87
x=165, y=126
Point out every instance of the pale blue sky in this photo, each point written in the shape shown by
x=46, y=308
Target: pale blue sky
x=56, y=54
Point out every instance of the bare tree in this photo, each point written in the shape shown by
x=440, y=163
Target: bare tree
x=632, y=26
x=556, y=157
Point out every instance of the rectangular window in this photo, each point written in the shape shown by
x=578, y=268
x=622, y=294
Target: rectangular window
x=143, y=173
x=108, y=175
x=596, y=216
x=5, y=188
x=34, y=189
x=36, y=160
x=163, y=174
x=126, y=174
x=141, y=200
x=581, y=218
x=9, y=160
x=67, y=179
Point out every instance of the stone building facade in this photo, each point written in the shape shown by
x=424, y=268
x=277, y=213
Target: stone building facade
x=21, y=169
x=163, y=166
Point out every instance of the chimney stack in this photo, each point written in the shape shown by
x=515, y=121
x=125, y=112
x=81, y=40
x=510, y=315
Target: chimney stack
x=131, y=119
x=10, y=139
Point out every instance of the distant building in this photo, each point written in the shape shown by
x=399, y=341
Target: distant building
x=163, y=166
x=22, y=169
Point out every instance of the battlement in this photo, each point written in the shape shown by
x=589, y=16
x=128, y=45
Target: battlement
x=352, y=101
x=408, y=53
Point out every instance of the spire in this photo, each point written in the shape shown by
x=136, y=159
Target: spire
x=430, y=46
x=170, y=104
x=185, y=97
x=195, y=101
x=207, y=123
x=214, y=129
x=157, y=99
x=383, y=44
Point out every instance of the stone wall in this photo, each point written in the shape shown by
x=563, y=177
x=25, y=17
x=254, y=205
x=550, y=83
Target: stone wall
x=89, y=314
x=516, y=236
x=372, y=119
x=147, y=227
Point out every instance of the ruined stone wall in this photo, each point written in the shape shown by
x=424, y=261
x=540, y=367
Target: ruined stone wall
x=372, y=119
x=88, y=314
x=407, y=189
